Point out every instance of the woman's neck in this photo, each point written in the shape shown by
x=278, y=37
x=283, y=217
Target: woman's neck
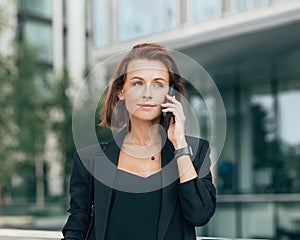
x=145, y=134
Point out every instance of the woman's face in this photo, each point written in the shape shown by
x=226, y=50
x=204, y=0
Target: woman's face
x=145, y=88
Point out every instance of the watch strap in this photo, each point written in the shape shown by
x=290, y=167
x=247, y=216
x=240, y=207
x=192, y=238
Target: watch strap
x=183, y=151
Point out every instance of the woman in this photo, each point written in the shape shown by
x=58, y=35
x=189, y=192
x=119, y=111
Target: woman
x=157, y=191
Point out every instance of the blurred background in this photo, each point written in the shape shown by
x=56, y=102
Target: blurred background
x=251, y=48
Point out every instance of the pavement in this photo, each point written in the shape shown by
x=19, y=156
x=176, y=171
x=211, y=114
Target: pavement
x=30, y=222
x=31, y=228
x=19, y=234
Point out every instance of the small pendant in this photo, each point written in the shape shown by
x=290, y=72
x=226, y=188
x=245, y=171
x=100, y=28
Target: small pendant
x=152, y=158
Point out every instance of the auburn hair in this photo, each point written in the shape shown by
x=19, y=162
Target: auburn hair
x=114, y=108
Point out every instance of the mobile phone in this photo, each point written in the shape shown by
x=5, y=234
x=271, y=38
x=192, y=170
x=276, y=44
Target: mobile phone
x=168, y=115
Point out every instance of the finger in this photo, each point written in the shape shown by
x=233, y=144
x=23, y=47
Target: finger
x=168, y=109
x=178, y=108
x=176, y=114
x=165, y=105
x=171, y=98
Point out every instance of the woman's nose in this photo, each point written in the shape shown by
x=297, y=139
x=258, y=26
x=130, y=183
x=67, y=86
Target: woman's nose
x=147, y=91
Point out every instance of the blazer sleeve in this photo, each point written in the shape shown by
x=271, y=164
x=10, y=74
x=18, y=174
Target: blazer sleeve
x=198, y=196
x=80, y=202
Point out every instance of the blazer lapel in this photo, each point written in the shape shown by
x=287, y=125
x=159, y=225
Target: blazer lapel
x=102, y=205
x=169, y=190
x=103, y=191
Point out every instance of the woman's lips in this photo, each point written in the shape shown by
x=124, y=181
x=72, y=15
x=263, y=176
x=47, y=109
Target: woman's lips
x=147, y=105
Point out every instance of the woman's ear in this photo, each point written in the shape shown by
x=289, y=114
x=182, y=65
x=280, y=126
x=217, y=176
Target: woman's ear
x=121, y=95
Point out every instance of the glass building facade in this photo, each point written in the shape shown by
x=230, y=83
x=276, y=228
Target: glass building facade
x=257, y=73
x=121, y=21
x=251, y=50
x=257, y=175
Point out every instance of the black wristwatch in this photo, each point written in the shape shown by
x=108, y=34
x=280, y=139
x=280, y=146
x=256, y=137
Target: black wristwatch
x=183, y=151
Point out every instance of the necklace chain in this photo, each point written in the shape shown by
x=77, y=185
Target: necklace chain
x=152, y=156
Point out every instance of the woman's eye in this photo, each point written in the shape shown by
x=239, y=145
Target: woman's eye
x=158, y=85
x=138, y=84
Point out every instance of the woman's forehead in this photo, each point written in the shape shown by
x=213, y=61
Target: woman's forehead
x=145, y=64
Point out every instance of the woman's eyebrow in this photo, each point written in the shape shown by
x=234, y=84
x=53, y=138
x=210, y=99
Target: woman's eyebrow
x=136, y=77
x=142, y=79
x=160, y=78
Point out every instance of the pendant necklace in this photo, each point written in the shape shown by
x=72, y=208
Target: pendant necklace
x=152, y=156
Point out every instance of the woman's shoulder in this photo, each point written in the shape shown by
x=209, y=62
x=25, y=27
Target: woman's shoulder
x=91, y=151
x=197, y=142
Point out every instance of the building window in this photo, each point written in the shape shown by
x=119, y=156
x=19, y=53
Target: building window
x=257, y=3
x=276, y=138
x=172, y=14
x=42, y=8
x=241, y=5
x=39, y=35
x=158, y=20
x=263, y=122
x=134, y=19
x=165, y=15
x=288, y=176
x=140, y=18
x=100, y=21
x=205, y=9
x=263, y=127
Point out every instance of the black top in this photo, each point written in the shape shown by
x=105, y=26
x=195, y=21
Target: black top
x=134, y=215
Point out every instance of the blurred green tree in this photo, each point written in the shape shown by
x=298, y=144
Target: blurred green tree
x=27, y=104
x=8, y=126
x=30, y=110
x=63, y=127
x=23, y=118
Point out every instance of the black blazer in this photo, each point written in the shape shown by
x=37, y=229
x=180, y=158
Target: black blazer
x=189, y=204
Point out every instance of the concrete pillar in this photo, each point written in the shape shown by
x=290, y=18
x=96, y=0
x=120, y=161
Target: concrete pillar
x=76, y=40
x=58, y=38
